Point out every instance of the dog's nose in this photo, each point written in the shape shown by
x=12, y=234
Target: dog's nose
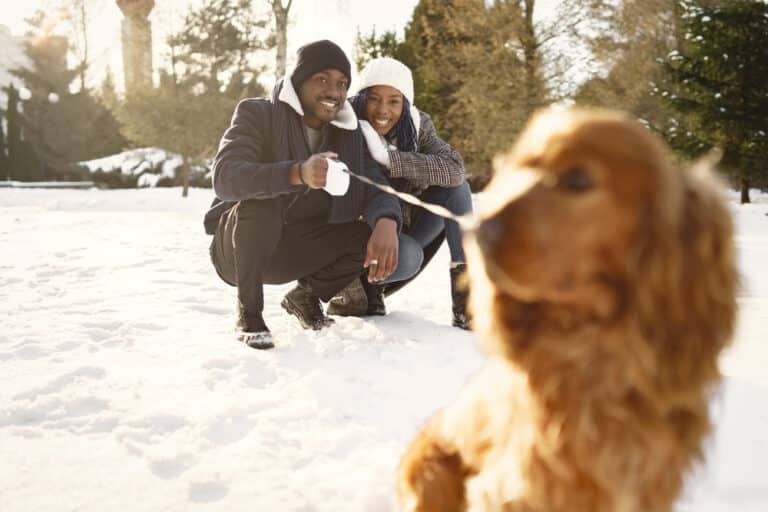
x=490, y=232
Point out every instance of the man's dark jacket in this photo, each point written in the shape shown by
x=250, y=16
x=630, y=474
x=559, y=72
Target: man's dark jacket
x=266, y=137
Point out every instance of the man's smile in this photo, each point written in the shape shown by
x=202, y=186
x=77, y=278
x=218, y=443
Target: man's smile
x=329, y=103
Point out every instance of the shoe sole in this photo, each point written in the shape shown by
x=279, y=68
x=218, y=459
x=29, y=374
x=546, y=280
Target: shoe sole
x=462, y=325
x=256, y=344
x=294, y=310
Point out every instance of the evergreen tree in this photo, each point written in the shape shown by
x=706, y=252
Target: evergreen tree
x=371, y=46
x=716, y=87
x=107, y=92
x=218, y=40
x=438, y=34
x=210, y=71
x=4, y=169
x=58, y=128
x=98, y=132
x=178, y=121
x=13, y=142
x=16, y=166
x=21, y=158
x=478, y=71
x=47, y=80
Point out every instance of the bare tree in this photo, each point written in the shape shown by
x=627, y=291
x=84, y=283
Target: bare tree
x=281, y=34
x=631, y=39
x=78, y=18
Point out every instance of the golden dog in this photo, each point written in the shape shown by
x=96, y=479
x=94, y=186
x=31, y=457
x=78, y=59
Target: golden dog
x=603, y=287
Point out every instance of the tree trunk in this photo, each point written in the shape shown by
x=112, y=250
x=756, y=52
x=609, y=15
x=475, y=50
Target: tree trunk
x=745, y=191
x=281, y=35
x=13, y=141
x=4, y=170
x=83, y=15
x=530, y=50
x=185, y=176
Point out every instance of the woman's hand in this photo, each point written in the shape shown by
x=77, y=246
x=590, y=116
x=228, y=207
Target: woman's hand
x=381, y=254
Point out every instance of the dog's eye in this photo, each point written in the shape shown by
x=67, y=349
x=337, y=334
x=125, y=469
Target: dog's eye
x=575, y=180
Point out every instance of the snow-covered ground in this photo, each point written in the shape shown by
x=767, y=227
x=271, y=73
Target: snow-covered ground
x=122, y=388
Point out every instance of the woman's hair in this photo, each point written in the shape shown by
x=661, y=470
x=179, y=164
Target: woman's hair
x=404, y=132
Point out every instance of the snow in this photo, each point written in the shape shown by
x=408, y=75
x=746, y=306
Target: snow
x=122, y=387
x=150, y=165
x=46, y=184
x=138, y=162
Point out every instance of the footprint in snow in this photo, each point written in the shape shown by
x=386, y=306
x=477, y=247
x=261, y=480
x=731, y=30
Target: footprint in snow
x=59, y=383
x=207, y=492
x=171, y=467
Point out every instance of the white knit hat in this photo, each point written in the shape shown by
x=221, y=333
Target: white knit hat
x=387, y=71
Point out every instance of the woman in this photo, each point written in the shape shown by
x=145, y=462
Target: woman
x=403, y=140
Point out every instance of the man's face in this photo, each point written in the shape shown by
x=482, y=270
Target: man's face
x=322, y=95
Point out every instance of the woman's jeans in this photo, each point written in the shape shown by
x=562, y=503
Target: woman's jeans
x=458, y=200
x=410, y=256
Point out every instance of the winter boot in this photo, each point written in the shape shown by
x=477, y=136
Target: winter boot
x=350, y=301
x=252, y=331
x=459, y=294
x=302, y=303
x=375, y=295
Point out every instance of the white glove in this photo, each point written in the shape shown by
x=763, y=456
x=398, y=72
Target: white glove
x=376, y=144
x=336, y=181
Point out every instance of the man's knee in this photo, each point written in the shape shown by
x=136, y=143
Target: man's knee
x=259, y=209
x=261, y=218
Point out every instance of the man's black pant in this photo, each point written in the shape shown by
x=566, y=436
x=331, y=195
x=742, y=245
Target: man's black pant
x=253, y=246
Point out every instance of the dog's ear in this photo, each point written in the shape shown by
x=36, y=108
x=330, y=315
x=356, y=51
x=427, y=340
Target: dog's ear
x=688, y=282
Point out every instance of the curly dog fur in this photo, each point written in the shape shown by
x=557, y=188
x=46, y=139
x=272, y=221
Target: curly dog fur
x=603, y=287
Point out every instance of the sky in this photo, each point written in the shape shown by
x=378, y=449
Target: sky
x=309, y=20
x=337, y=20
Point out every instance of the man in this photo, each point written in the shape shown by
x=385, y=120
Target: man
x=272, y=222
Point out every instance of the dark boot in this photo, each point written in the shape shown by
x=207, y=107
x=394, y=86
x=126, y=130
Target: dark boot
x=459, y=294
x=375, y=296
x=350, y=301
x=304, y=304
x=252, y=331
x=359, y=298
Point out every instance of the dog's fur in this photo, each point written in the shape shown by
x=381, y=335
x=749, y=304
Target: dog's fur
x=603, y=286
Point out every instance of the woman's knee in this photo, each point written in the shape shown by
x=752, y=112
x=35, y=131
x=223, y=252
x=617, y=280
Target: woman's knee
x=459, y=199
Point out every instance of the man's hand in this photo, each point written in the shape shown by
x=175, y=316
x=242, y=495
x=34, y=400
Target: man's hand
x=381, y=256
x=312, y=172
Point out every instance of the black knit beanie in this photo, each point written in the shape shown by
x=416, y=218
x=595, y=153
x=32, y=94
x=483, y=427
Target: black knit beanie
x=317, y=56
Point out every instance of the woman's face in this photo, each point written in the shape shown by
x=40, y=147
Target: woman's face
x=383, y=106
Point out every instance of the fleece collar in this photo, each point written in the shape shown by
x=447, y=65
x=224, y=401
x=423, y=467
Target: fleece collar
x=345, y=119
